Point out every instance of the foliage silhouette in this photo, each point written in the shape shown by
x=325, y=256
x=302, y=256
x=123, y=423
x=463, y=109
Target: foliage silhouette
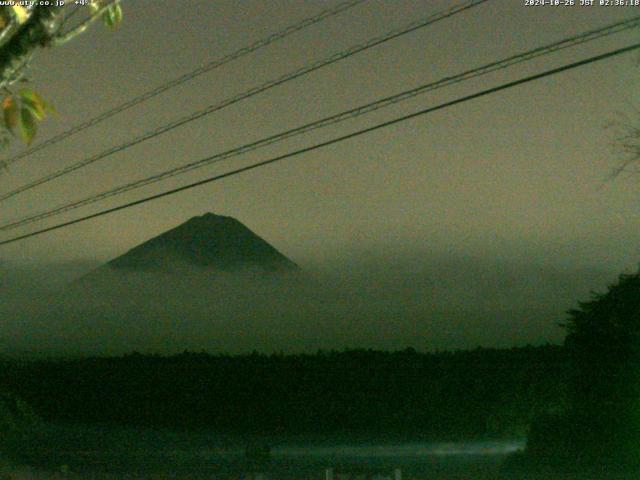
x=602, y=425
x=478, y=393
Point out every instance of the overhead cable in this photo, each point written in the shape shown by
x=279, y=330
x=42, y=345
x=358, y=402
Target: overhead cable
x=333, y=141
x=333, y=119
x=247, y=94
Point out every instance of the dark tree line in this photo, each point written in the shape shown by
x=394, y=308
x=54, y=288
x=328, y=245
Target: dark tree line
x=484, y=392
x=602, y=424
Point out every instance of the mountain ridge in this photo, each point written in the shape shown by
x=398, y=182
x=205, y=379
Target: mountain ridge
x=208, y=241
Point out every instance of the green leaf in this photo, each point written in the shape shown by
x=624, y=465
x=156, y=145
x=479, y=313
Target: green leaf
x=30, y=95
x=10, y=112
x=94, y=6
x=21, y=14
x=37, y=114
x=35, y=103
x=28, y=125
x=113, y=16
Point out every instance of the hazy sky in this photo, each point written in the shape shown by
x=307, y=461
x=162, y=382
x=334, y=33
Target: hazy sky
x=517, y=172
x=515, y=175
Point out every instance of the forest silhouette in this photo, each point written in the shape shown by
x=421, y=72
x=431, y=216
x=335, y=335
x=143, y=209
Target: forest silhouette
x=578, y=403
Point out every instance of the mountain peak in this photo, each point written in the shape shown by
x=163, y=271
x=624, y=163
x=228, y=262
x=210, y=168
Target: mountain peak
x=210, y=217
x=209, y=240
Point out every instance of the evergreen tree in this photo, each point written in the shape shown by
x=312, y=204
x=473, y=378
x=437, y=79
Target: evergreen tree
x=603, y=342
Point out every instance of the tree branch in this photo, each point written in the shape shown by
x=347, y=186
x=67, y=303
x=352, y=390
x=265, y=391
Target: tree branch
x=61, y=39
x=36, y=31
x=14, y=24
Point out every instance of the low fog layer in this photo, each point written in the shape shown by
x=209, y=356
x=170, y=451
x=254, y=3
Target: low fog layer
x=445, y=303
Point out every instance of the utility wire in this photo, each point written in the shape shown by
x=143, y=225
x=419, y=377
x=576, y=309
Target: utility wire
x=335, y=140
x=333, y=119
x=183, y=78
x=247, y=94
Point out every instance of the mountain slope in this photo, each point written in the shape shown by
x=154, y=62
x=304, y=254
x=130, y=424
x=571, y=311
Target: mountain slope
x=209, y=241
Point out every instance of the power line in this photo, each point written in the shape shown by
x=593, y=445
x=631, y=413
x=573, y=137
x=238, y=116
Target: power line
x=335, y=140
x=336, y=118
x=184, y=78
x=247, y=94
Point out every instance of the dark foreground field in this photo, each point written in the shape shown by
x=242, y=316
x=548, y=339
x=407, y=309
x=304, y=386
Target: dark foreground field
x=109, y=453
x=152, y=417
x=118, y=453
